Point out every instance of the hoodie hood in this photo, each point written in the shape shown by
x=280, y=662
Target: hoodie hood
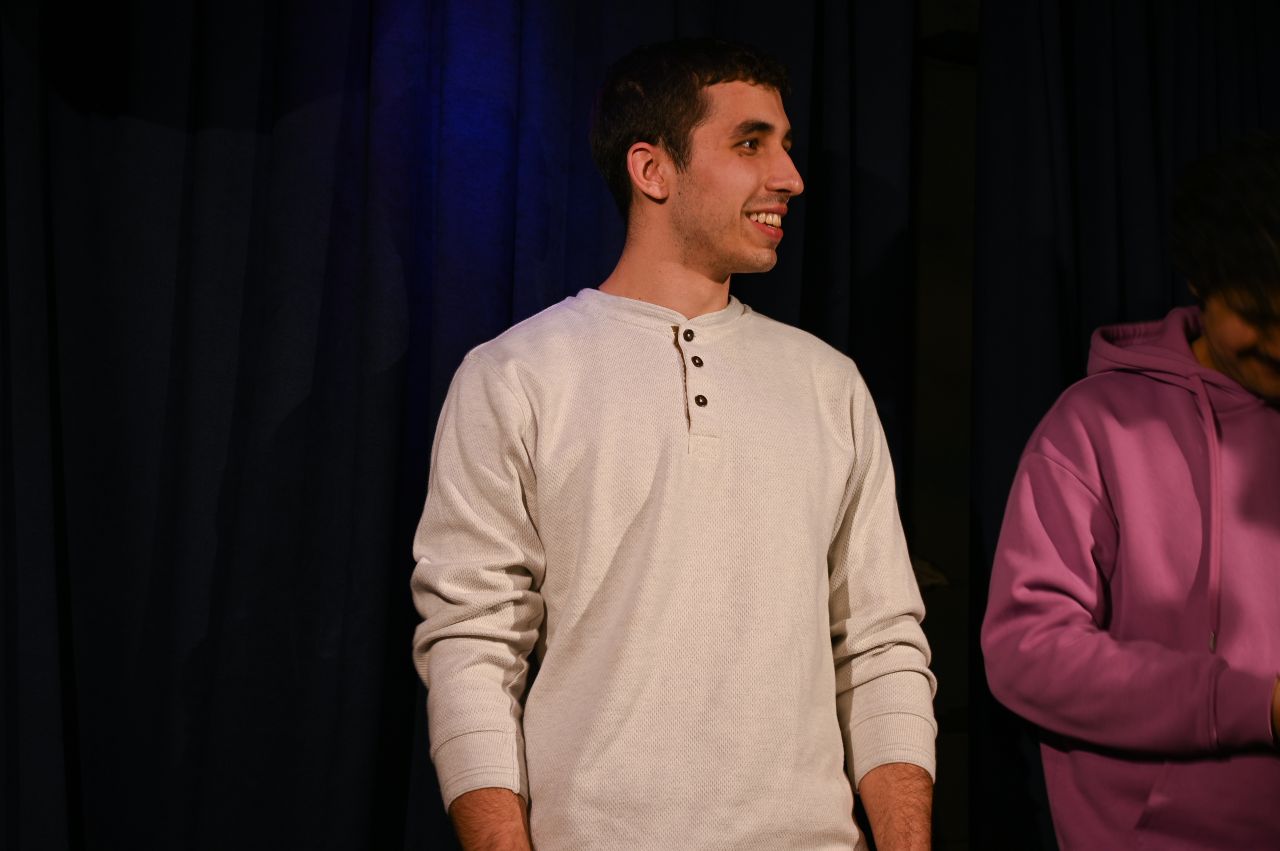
x=1162, y=350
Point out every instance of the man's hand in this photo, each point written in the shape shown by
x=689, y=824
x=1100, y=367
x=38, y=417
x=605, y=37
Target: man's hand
x=491, y=819
x=898, y=798
x=1275, y=712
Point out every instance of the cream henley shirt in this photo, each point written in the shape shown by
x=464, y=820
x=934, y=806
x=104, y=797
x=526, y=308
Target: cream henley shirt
x=691, y=523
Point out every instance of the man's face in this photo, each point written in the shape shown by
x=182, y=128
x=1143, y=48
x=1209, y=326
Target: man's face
x=1241, y=346
x=727, y=204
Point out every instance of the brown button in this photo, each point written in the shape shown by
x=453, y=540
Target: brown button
x=700, y=400
x=697, y=361
x=688, y=334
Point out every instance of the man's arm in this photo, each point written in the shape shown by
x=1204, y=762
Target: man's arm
x=479, y=566
x=1049, y=659
x=491, y=820
x=884, y=689
x=898, y=798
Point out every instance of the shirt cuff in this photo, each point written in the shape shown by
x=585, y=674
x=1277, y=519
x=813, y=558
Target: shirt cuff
x=479, y=760
x=1242, y=709
x=893, y=737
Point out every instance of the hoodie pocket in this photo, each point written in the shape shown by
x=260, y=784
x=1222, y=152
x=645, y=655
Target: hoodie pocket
x=1222, y=803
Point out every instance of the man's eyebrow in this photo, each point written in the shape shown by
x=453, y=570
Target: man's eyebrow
x=755, y=125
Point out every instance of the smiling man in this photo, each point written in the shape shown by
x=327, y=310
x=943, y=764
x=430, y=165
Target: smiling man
x=1135, y=596
x=686, y=512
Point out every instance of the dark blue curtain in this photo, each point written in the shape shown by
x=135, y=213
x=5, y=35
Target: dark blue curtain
x=1087, y=110
x=245, y=246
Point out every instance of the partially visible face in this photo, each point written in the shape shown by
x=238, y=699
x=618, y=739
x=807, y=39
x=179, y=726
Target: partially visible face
x=728, y=203
x=1245, y=348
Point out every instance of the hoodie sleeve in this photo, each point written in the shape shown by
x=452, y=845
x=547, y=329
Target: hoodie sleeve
x=1050, y=659
x=479, y=563
x=884, y=689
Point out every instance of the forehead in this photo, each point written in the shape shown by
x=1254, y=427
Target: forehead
x=730, y=104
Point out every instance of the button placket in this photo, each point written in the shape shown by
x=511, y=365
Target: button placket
x=700, y=397
x=696, y=384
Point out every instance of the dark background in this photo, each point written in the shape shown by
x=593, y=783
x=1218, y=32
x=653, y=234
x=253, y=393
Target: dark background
x=245, y=246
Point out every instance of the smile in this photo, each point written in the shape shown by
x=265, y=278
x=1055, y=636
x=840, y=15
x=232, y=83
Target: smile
x=768, y=224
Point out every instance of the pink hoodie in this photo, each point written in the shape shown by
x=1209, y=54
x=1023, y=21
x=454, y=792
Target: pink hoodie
x=1135, y=599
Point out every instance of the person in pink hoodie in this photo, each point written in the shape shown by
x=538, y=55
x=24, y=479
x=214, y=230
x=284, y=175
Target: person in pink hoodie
x=1134, y=610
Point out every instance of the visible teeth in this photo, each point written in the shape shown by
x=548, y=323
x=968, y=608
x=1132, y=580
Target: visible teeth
x=772, y=219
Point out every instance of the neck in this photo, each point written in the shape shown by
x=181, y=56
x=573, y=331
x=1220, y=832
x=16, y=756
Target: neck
x=1200, y=348
x=658, y=278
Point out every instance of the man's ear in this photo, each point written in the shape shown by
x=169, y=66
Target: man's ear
x=649, y=167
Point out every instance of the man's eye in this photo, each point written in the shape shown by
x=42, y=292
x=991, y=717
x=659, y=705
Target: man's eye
x=751, y=144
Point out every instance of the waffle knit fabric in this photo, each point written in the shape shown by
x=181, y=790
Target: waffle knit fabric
x=691, y=523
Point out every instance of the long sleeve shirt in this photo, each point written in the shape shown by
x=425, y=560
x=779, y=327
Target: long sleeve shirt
x=692, y=524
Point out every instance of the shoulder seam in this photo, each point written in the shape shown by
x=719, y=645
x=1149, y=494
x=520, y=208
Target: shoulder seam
x=1078, y=479
x=483, y=360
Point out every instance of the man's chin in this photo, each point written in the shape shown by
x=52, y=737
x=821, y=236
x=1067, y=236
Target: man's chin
x=758, y=263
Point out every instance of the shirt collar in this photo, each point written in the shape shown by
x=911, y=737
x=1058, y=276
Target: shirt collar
x=655, y=315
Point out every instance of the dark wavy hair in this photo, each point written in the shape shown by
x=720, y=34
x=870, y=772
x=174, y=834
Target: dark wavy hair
x=1226, y=226
x=655, y=94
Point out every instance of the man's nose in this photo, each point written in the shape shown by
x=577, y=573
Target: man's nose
x=1269, y=343
x=785, y=176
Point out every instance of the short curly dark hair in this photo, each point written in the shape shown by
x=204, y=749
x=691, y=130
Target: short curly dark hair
x=655, y=94
x=1226, y=225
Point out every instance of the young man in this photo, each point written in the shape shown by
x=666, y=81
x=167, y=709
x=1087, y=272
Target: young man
x=686, y=510
x=1135, y=598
